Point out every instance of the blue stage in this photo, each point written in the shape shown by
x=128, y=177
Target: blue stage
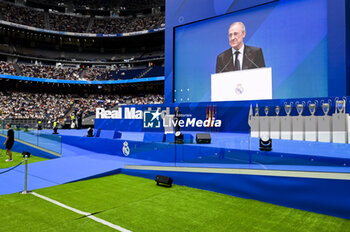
x=305, y=175
x=227, y=150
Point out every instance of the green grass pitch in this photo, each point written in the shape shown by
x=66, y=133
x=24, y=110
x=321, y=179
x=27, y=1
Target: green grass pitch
x=138, y=204
x=17, y=158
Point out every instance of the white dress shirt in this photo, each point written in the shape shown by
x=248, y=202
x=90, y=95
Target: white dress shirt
x=240, y=56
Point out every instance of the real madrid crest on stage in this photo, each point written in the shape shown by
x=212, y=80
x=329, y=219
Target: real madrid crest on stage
x=126, y=149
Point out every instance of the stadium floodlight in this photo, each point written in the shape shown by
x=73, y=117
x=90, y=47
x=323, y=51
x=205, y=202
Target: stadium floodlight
x=164, y=181
x=179, y=137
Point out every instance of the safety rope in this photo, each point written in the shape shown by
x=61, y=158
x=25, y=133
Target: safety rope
x=10, y=169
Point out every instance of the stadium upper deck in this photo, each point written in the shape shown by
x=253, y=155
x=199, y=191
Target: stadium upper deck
x=78, y=23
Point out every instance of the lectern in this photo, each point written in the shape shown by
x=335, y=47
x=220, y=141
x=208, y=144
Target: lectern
x=250, y=84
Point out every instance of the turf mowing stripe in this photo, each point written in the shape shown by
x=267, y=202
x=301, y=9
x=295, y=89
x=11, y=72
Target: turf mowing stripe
x=116, y=227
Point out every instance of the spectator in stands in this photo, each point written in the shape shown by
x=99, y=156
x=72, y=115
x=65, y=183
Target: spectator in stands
x=50, y=72
x=121, y=25
x=7, y=68
x=61, y=22
x=22, y=15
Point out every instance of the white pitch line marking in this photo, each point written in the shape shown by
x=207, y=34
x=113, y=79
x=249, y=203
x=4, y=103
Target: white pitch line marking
x=99, y=220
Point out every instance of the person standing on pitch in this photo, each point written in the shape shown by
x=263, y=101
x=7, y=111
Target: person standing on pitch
x=10, y=140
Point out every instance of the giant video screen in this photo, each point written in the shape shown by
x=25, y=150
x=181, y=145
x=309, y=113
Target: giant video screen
x=290, y=37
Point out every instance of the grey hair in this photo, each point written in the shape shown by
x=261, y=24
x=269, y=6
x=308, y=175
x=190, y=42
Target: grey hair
x=240, y=23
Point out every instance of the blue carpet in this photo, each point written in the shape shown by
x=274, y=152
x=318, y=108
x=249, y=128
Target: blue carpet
x=76, y=165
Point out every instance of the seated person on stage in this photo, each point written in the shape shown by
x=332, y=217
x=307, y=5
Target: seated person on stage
x=177, y=117
x=239, y=56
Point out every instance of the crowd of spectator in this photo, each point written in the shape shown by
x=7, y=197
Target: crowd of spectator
x=74, y=73
x=97, y=74
x=66, y=73
x=22, y=15
x=135, y=4
x=20, y=105
x=61, y=22
x=95, y=4
x=7, y=68
x=71, y=23
x=113, y=4
x=120, y=25
x=148, y=99
x=49, y=72
x=33, y=106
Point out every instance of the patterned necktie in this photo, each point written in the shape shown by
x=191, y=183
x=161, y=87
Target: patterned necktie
x=237, y=64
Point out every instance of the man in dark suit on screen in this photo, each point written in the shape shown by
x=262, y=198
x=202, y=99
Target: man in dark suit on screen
x=239, y=56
